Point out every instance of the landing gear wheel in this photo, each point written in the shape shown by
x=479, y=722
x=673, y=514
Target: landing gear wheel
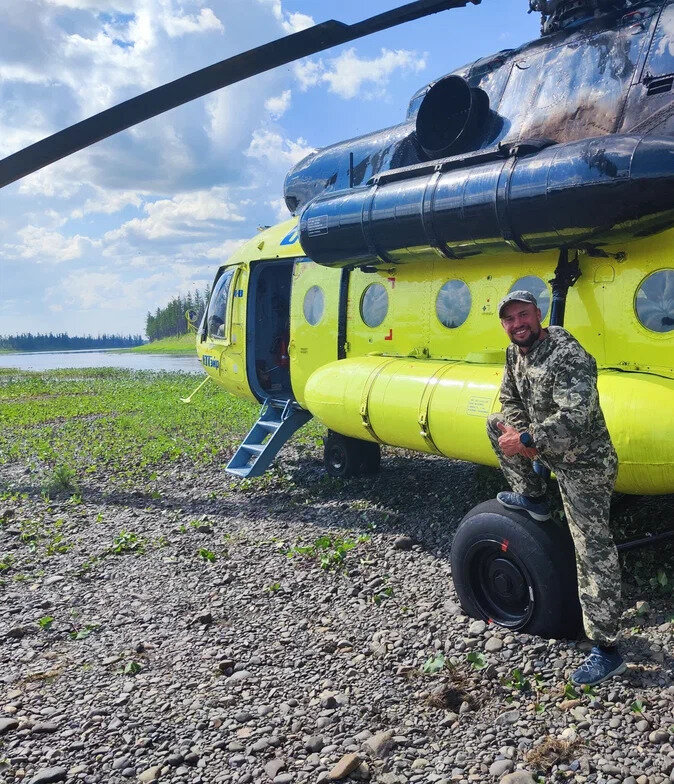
x=344, y=457
x=515, y=572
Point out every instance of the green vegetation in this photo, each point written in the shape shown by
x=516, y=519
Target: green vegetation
x=172, y=319
x=434, y=664
x=329, y=551
x=177, y=344
x=64, y=342
x=120, y=424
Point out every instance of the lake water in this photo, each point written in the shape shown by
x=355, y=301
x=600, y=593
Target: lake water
x=58, y=360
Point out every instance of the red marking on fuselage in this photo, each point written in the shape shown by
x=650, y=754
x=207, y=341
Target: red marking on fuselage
x=390, y=335
x=504, y=545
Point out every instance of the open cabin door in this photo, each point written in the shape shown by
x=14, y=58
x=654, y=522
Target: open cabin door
x=314, y=321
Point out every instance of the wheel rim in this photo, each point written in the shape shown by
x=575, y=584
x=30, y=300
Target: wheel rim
x=500, y=583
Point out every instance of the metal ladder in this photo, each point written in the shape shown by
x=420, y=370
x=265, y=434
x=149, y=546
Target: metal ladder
x=278, y=420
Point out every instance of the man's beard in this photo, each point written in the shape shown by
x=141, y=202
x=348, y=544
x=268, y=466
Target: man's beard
x=529, y=341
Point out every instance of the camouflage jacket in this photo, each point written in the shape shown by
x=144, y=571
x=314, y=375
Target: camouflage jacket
x=551, y=391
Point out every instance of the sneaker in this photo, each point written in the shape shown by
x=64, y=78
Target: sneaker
x=602, y=663
x=538, y=511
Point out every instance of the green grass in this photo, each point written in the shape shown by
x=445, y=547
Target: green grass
x=180, y=344
x=116, y=422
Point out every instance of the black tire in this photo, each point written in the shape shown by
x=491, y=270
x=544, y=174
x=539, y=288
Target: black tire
x=515, y=572
x=345, y=457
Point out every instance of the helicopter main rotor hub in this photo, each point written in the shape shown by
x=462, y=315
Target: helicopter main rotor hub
x=559, y=14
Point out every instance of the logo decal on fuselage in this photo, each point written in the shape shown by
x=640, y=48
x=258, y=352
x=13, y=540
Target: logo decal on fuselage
x=208, y=361
x=291, y=237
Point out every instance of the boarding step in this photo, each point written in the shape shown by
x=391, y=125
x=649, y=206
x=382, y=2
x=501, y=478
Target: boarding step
x=277, y=422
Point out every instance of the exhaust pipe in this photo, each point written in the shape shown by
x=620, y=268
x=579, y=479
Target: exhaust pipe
x=578, y=195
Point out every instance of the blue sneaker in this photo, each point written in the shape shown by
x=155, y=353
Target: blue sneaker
x=602, y=663
x=537, y=511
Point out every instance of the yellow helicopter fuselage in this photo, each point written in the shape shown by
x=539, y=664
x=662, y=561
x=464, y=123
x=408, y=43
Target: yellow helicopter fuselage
x=293, y=328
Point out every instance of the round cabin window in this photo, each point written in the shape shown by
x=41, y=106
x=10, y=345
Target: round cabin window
x=655, y=301
x=314, y=305
x=453, y=303
x=538, y=288
x=374, y=305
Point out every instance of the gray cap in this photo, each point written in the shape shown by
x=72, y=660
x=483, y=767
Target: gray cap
x=517, y=296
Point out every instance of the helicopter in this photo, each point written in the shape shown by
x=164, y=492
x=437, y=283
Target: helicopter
x=373, y=308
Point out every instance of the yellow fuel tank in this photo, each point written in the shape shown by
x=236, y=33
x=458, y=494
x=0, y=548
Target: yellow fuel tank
x=441, y=407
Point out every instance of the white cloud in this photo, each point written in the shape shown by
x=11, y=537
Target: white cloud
x=182, y=24
x=347, y=74
x=272, y=147
x=224, y=250
x=292, y=22
x=278, y=105
x=280, y=209
x=185, y=215
x=107, y=202
x=43, y=245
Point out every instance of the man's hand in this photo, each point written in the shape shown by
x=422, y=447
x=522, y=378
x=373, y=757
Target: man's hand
x=511, y=445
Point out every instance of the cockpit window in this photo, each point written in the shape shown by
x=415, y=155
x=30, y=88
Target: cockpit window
x=655, y=301
x=217, y=307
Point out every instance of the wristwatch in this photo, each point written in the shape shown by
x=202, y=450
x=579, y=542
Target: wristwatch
x=526, y=439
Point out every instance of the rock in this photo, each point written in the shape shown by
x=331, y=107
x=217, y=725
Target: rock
x=518, y=777
x=493, y=644
x=284, y=778
x=120, y=763
x=568, y=704
x=658, y=736
x=49, y=775
x=274, y=766
x=643, y=725
x=239, y=676
x=476, y=628
x=18, y=632
x=314, y=743
x=379, y=745
x=403, y=543
x=642, y=608
x=174, y=760
x=151, y=774
x=44, y=727
x=204, y=617
x=499, y=767
x=347, y=765
x=7, y=724
x=509, y=717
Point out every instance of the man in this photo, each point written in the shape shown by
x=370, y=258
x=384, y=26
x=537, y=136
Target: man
x=551, y=414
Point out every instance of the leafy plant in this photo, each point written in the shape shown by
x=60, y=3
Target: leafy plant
x=273, y=588
x=61, y=481
x=127, y=542
x=476, y=659
x=6, y=562
x=45, y=622
x=330, y=552
x=569, y=692
x=434, y=664
x=132, y=668
x=517, y=681
x=83, y=633
x=207, y=555
x=637, y=707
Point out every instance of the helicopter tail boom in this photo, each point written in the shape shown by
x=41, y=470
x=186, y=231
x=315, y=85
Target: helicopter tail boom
x=578, y=195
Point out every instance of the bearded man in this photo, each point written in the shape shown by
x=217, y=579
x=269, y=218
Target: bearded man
x=550, y=413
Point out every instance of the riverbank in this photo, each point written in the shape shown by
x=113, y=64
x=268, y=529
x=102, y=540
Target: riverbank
x=161, y=619
x=179, y=344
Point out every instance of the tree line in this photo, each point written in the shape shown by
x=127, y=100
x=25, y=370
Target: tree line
x=61, y=341
x=171, y=320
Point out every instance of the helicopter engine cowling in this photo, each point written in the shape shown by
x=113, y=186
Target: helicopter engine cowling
x=578, y=195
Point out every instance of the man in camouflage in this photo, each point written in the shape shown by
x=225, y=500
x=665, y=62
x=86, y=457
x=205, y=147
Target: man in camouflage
x=551, y=414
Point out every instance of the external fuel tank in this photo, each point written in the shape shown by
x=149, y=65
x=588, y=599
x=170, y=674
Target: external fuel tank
x=527, y=199
x=441, y=407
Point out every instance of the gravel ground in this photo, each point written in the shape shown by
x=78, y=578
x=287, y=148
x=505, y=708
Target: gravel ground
x=201, y=652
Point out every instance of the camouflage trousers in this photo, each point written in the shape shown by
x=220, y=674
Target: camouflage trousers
x=586, y=495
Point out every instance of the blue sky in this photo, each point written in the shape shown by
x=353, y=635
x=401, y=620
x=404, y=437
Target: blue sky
x=93, y=242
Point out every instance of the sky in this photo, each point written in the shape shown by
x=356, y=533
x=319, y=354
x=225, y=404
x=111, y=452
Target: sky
x=93, y=242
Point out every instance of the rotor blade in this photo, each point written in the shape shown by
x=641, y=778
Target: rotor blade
x=187, y=88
